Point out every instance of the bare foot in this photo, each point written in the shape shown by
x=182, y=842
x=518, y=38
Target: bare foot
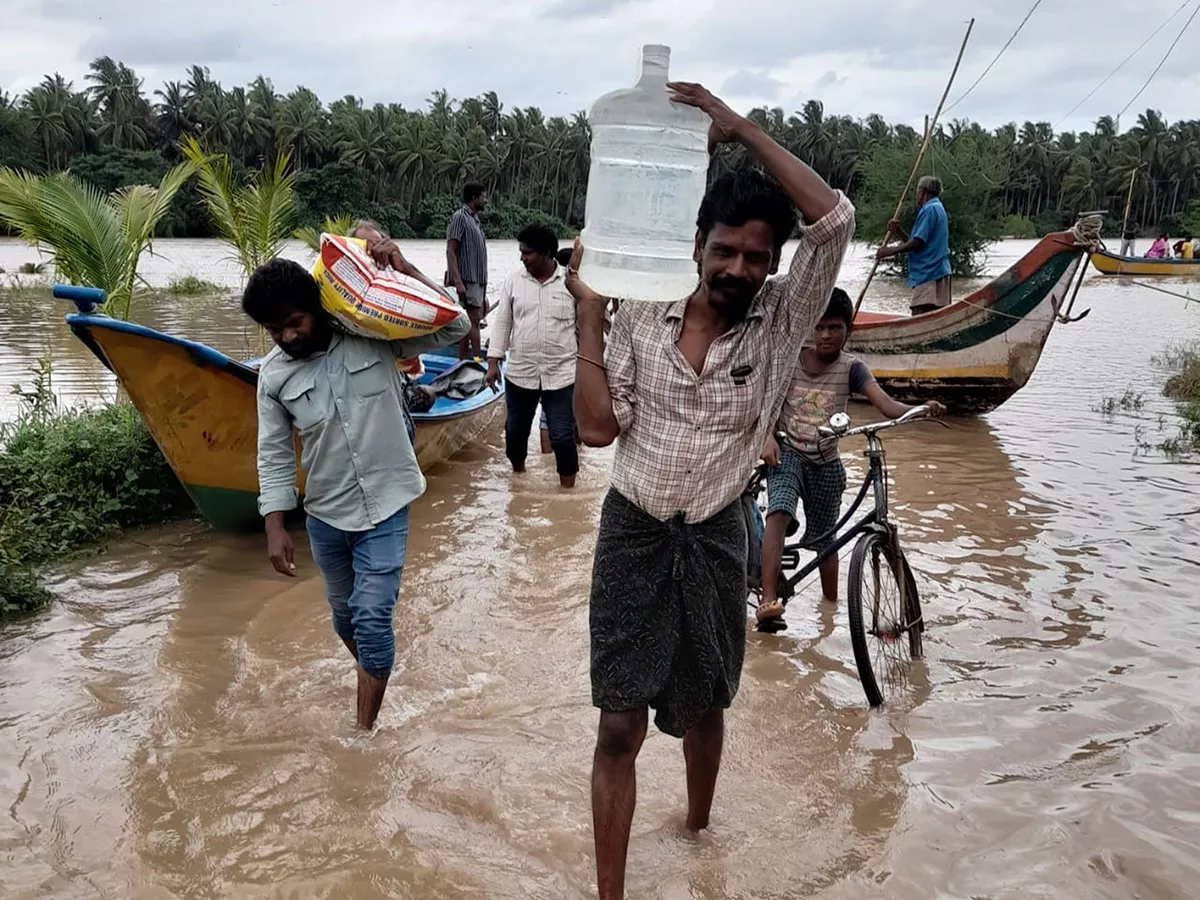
x=518, y=467
x=567, y=481
x=771, y=610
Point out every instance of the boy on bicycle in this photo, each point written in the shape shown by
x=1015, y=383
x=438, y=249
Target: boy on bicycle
x=807, y=467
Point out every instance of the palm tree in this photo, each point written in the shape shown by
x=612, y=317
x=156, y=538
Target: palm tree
x=311, y=237
x=301, y=126
x=255, y=219
x=96, y=239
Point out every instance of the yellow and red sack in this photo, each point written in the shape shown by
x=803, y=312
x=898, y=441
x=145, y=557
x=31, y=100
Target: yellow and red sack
x=373, y=302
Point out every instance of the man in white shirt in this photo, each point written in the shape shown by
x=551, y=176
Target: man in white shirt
x=535, y=325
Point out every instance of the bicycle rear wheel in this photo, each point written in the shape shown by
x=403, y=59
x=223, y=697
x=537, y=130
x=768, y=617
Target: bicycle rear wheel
x=885, y=616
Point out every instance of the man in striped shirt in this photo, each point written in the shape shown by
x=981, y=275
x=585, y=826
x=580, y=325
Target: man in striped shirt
x=690, y=390
x=466, y=264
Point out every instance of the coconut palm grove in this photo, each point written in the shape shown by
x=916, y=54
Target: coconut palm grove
x=403, y=167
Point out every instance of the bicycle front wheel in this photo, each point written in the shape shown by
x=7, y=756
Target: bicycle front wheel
x=885, y=616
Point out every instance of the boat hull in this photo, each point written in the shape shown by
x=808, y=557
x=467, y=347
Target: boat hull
x=200, y=407
x=1112, y=264
x=976, y=353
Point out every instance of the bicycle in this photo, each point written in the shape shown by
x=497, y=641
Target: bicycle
x=892, y=619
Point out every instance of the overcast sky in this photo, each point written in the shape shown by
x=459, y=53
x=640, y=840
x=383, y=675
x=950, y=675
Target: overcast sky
x=892, y=57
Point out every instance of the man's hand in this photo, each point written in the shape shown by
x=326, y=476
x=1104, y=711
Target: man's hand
x=493, y=374
x=770, y=451
x=726, y=124
x=884, y=252
x=893, y=226
x=936, y=410
x=381, y=250
x=280, y=549
x=584, y=296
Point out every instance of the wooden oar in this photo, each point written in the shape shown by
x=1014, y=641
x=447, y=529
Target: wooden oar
x=920, y=156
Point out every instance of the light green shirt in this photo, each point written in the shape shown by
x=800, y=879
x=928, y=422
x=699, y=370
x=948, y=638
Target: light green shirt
x=347, y=403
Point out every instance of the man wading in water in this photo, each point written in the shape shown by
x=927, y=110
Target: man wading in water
x=344, y=395
x=689, y=391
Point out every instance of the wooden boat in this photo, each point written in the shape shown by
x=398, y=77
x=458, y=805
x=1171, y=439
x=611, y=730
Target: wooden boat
x=977, y=352
x=1113, y=264
x=200, y=407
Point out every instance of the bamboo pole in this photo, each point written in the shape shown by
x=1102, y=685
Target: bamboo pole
x=1129, y=199
x=920, y=157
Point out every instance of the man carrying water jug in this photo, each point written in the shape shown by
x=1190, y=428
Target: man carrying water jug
x=689, y=391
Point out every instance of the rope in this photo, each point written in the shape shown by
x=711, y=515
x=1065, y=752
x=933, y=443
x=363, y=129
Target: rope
x=1007, y=44
x=1086, y=231
x=1161, y=62
x=1152, y=287
x=1121, y=64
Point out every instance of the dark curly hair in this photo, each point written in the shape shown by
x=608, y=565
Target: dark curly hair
x=840, y=307
x=744, y=195
x=539, y=239
x=278, y=287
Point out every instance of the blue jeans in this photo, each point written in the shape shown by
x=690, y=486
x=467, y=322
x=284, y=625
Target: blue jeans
x=362, y=580
x=558, y=407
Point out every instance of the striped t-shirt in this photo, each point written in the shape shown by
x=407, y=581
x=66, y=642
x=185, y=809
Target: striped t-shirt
x=812, y=399
x=464, y=227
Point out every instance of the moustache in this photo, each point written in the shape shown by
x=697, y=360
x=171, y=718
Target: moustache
x=738, y=287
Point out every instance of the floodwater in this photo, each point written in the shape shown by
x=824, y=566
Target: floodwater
x=179, y=723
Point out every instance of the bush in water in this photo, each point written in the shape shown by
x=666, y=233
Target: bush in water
x=68, y=480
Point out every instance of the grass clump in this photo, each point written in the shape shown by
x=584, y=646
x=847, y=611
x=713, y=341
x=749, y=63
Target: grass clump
x=191, y=286
x=68, y=480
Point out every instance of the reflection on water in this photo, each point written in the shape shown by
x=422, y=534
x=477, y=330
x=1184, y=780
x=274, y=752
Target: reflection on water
x=179, y=724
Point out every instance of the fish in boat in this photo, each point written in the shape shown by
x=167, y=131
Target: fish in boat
x=1113, y=264
x=200, y=407
x=974, y=354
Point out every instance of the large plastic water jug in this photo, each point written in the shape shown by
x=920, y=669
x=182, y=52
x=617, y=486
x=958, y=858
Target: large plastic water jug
x=648, y=174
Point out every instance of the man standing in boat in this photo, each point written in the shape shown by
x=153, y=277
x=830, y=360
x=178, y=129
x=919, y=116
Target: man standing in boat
x=467, y=265
x=689, y=390
x=344, y=395
x=928, y=249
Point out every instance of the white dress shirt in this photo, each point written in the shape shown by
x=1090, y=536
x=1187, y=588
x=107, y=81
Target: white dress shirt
x=534, y=323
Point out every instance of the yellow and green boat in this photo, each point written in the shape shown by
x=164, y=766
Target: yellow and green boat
x=200, y=407
x=1139, y=266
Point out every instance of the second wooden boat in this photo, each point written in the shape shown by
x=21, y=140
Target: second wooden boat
x=1113, y=264
x=977, y=352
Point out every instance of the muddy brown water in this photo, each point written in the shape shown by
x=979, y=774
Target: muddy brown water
x=179, y=725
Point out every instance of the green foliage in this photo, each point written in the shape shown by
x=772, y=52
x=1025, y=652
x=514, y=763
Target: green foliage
x=1190, y=221
x=17, y=147
x=1184, y=385
x=31, y=268
x=70, y=479
x=364, y=160
x=97, y=239
x=1018, y=227
x=973, y=174
x=311, y=237
x=330, y=190
x=256, y=218
x=191, y=286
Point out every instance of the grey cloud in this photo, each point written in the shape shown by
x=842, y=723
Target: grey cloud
x=584, y=9
x=561, y=55
x=743, y=83
x=828, y=80
x=167, y=48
